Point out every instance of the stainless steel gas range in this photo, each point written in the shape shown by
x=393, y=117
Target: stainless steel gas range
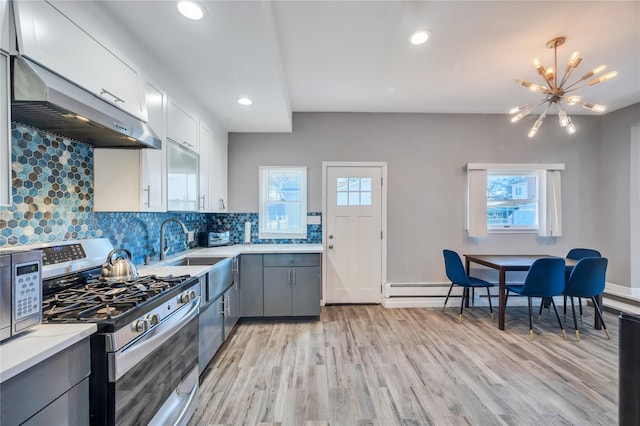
x=144, y=357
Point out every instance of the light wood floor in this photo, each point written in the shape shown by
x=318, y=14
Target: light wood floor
x=370, y=365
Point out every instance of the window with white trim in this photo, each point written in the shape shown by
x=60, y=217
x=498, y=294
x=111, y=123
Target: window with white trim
x=514, y=198
x=283, y=203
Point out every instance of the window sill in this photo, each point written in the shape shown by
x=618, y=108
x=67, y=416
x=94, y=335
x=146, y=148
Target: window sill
x=265, y=236
x=513, y=231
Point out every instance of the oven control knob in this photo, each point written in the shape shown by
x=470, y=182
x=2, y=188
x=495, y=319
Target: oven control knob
x=187, y=296
x=154, y=319
x=142, y=325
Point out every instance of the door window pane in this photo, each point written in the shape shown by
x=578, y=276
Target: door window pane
x=353, y=192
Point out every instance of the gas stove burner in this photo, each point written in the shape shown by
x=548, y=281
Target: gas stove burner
x=99, y=299
x=106, y=310
x=115, y=291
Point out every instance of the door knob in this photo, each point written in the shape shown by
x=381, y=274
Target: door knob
x=330, y=246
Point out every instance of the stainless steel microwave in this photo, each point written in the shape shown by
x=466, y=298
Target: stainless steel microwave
x=20, y=291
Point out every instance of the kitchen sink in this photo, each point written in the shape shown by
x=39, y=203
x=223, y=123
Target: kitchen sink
x=196, y=261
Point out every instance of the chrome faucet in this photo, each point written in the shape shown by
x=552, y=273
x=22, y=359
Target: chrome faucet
x=164, y=248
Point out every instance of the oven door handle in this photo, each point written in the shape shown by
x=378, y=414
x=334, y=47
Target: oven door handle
x=129, y=356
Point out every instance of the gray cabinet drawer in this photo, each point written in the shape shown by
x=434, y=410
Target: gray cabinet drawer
x=32, y=390
x=292, y=259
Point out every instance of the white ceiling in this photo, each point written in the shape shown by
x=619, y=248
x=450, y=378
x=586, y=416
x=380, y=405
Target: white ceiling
x=291, y=56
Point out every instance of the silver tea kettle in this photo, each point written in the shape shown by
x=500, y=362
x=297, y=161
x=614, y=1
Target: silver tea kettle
x=120, y=269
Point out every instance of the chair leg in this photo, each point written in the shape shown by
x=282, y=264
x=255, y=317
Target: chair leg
x=489, y=299
x=565, y=308
x=599, y=312
x=575, y=322
x=506, y=296
x=581, y=316
x=530, y=321
x=540, y=311
x=445, y=300
x=473, y=298
x=564, y=333
x=465, y=292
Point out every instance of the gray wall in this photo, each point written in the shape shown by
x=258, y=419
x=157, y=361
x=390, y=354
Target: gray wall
x=613, y=204
x=426, y=156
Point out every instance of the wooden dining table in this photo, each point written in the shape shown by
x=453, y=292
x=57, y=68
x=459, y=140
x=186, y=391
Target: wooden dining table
x=504, y=263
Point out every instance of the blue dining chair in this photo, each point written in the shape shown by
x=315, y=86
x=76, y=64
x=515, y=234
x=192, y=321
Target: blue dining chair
x=577, y=254
x=587, y=279
x=458, y=276
x=545, y=279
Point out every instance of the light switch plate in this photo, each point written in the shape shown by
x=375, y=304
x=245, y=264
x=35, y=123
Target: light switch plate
x=191, y=236
x=314, y=220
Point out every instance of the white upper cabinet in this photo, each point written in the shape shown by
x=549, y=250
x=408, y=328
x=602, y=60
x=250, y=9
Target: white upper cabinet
x=182, y=127
x=49, y=37
x=135, y=180
x=5, y=132
x=206, y=140
x=218, y=174
x=213, y=171
x=4, y=26
x=154, y=161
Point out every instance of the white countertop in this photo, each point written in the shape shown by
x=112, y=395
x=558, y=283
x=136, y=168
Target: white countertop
x=231, y=251
x=163, y=267
x=39, y=343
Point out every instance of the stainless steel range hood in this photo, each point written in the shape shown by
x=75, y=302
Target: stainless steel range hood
x=44, y=100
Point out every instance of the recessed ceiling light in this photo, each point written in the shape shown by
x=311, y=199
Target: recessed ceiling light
x=190, y=10
x=245, y=101
x=420, y=36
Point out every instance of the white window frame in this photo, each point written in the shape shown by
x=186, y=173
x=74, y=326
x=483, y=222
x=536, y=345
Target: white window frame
x=263, y=231
x=549, y=198
x=517, y=228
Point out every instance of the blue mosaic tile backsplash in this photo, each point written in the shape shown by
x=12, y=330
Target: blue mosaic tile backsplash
x=52, y=190
x=234, y=222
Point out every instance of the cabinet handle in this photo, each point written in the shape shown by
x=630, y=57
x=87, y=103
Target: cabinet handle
x=148, y=190
x=294, y=275
x=289, y=276
x=116, y=99
x=221, y=203
x=202, y=202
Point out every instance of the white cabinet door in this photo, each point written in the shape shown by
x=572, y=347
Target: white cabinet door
x=50, y=38
x=154, y=161
x=5, y=132
x=128, y=180
x=182, y=127
x=4, y=26
x=205, y=167
x=218, y=168
x=213, y=171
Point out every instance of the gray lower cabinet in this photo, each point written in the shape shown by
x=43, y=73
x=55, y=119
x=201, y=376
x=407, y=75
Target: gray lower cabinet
x=54, y=391
x=251, y=295
x=231, y=299
x=211, y=331
x=292, y=284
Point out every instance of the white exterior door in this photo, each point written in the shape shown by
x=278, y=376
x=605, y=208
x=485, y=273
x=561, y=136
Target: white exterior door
x=353, y=233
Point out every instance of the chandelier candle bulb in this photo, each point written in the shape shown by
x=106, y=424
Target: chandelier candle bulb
x=607, y=76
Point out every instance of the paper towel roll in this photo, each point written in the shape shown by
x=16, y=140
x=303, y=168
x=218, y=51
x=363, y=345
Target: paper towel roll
x=247, y=232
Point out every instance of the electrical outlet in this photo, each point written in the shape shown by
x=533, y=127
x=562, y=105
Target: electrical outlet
x=191, y=236
x=314, y=220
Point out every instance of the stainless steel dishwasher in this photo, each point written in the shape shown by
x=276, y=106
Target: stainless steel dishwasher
x=211, y=335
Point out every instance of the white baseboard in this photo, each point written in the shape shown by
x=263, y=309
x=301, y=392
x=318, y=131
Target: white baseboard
x=432, y=295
